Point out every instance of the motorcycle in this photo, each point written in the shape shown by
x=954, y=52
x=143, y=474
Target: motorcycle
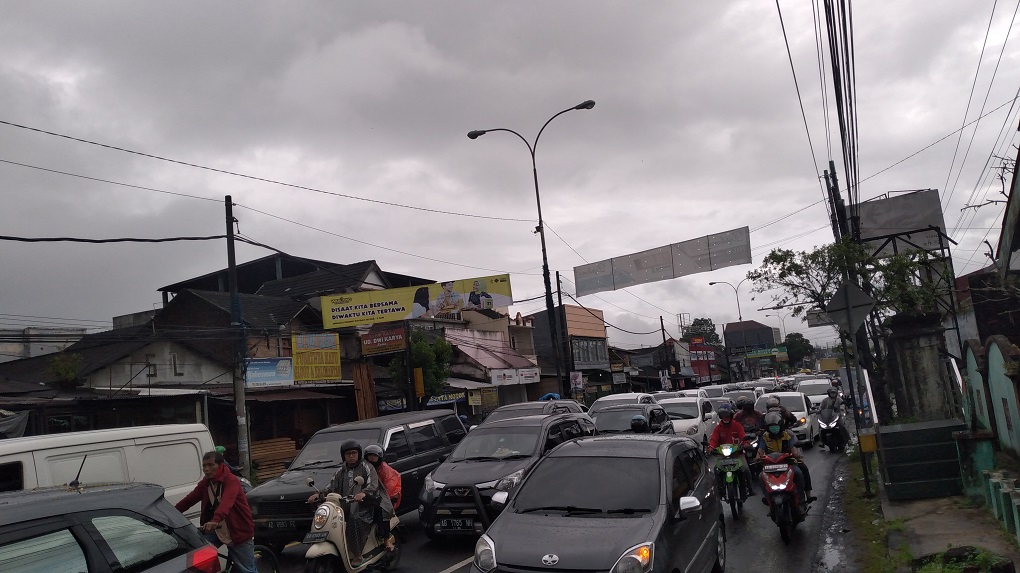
x=787, y=503
x=729, y=477
x=328, y=541
x=832, y=430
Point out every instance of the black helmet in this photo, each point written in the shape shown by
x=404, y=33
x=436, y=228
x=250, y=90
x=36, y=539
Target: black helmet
x=349, y=445
x=374, y=449
x=725, y=412
x=745, y=403
x=832, y=392
x=774, y=423
x=639, y=423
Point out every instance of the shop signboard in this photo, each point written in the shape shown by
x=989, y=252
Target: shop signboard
x=511, y=376
x=268, y=372
x=383, y=341
x=619, y=378
x=316, y=357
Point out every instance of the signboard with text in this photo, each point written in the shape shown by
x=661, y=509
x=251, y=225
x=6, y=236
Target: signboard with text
x=316, y=356
x=267, y=372
x=383, y=341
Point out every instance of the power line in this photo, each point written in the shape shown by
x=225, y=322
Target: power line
x=100, y=241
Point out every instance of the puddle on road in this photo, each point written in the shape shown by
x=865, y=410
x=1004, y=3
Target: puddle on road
x=829, y=555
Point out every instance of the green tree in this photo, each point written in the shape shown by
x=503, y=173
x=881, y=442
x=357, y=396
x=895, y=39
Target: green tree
x=798, y=348
x=430, y=353
x=702, y=327
x=65, y=367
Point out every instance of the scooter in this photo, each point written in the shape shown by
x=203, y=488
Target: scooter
x=787, y=503
x=328, y=541
x=729, y=477
x=832, y=430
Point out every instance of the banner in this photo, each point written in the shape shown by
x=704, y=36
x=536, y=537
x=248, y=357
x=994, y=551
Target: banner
x=510, y=376
x=316, y=356
x=435, y=300
x=266, y=372
x=383, y=341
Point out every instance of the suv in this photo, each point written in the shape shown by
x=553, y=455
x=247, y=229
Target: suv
x=611, y=503
x=100, y=529
x=616, y=419
x=414, y=442
x=532, y=409
x=493, y=457
x=625, y=398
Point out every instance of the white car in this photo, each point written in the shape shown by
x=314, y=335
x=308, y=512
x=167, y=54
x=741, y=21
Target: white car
x=815, y=389
x=799, y=405
x=616, y=399
x=693, y=417
x=699, y=393
x=715, y=390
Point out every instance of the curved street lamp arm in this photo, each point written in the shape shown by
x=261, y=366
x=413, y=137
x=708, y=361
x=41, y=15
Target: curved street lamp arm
x=535, y=145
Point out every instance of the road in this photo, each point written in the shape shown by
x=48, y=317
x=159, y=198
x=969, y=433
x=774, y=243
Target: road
x=752, y=536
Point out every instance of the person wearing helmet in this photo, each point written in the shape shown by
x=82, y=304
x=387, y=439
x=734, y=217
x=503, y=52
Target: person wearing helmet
x=639, y=424
x=777, y=439
x=365, y=497
x=729, y=432
x=772, y=403
x=390, y=479
x=832, y=400
x=752, y=420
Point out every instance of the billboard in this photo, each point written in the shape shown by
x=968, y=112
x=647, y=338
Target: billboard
x=383, y=341
x=434, y=300
x=316, y=356
x=266, y=372
x=902, y=214
x=699, y=255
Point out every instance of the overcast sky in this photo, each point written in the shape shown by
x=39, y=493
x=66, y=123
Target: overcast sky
x=697, y=129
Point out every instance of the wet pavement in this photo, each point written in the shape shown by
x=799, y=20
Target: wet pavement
x=836, y=552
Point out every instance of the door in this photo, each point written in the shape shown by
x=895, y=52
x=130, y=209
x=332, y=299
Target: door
x=429, y=447
x=398, y=456
x=701, y=528
x=682, y=543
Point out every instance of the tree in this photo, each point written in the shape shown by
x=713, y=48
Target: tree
x=65, y=367
x=798, y=348
x=430, y=353
x=702, y=327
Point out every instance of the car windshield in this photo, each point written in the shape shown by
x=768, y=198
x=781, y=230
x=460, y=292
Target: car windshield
x=610, y=483
x=514, y=413
x=713, y=391
x=734, y=395
x=323, y=449
x=497, y=443
x=792, y=402
x=814, y=388
x=608, y=421
x=682, y=410
x=716, y=402
x=606, y=402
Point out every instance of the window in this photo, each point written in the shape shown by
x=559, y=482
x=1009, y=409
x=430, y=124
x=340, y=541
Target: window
x=398, y=446
x=572, y=430
x=609, y=483
x=150, y=365
x=453, y=429
x=160, y=464
x=694, y=464
x=177, y=368
x=424, y=436
x=12, y=477
x=56, y=552
x=681, y=484
x=134, y=542
x=658, y=417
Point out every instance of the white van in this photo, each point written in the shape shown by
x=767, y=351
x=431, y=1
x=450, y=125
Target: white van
x=169, y=455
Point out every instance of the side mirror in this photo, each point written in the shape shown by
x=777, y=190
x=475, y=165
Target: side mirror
x=689, y=505
x=472, y=427
x=499, y=499
x=310, y=482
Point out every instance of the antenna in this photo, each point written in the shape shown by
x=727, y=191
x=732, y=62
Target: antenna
x=75, y=483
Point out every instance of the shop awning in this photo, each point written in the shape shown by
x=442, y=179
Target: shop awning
x=467, y=384
x=281, y=395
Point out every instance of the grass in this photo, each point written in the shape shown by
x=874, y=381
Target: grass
x=869, y=527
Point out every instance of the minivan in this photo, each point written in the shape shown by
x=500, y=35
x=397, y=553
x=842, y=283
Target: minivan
x=167, y=455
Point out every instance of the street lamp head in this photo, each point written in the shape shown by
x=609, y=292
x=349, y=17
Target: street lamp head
x=474, y=134
x=712, y=283
x=587, y=104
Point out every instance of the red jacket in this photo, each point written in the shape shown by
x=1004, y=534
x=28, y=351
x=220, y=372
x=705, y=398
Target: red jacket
x=732, y=433
x=391, y=481
x=233, y=505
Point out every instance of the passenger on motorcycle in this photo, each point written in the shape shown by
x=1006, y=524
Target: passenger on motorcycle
x=752, y=420
x=729, y=432
x=639, y=424
x=832, y=400
x=777, y=439
x=390, y=479
x=788, y=421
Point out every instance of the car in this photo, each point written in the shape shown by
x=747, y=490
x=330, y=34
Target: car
x=696, y=393
x=495, y=456
x=616, y=419
x=765, y=384
x=715, y=390
x=99, y=529
x=720, y=400
x=800, y=406
x=815, y=388
x=735, y=395
x=532, y=408
x=692, y=417
x=632, y=503
x=414, y=443
x=625, y=398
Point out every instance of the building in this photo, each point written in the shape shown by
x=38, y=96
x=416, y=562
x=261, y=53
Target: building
x=584, y=351
x=742, y=340
x=18, y=343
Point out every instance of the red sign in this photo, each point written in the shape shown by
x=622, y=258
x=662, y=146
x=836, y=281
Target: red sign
x=697, y=340
x=383, y=341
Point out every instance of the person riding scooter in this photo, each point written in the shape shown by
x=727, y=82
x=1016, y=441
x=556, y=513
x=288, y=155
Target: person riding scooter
x=832, y=400
x=752, y=420
x=777, y=439
x=772, y=403
x=729, y=432
x=390, y=479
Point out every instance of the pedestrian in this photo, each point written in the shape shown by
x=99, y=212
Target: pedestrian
x=226, y=517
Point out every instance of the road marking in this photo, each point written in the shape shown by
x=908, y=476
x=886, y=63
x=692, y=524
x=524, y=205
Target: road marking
x=453, y=568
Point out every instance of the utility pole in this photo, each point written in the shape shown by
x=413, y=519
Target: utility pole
x=665, y=354
x=562, y=353
x=239, y=349
x=412, y=393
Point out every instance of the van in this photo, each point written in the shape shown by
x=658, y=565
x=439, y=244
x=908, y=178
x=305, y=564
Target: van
x=168, y=455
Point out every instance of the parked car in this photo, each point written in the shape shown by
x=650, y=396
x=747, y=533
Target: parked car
x=691, y=417
x=168, y=455
x=625, y=398
x=799, y=405
x=646, y=503
x=99, y=529
x=616, y=419
x=495, y=456
x=815, y=388
x=532, y=409
x=414, y=442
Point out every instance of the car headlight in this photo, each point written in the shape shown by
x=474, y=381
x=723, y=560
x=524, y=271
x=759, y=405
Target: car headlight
x=485, y=554
x=321, y=517
x=803, y=420
x=432, y=485
x=692, y=430
x=508, y=482
x=637, y=559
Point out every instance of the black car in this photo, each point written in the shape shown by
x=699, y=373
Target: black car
x=636, y=502
x=414, y=442
x=616, y=419
x=493, y=457
x=533, y=409
x=100, y=528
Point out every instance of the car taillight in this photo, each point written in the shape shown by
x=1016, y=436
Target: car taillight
x=204, y=560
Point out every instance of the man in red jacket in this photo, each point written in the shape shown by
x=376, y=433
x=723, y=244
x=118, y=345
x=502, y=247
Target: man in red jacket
x=729, y=432
x=223, y=501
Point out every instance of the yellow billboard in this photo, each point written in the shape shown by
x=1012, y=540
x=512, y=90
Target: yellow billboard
x=436, y=300
x=316, y=356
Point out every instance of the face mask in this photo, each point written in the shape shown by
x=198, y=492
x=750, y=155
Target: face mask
x=774, y=429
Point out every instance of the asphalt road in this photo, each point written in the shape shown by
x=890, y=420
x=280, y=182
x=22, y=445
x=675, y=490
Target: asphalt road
x=815, y=546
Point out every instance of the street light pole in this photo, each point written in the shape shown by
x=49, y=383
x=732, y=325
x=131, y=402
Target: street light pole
x=782, y=322
x=740, y=317
x=550, y=309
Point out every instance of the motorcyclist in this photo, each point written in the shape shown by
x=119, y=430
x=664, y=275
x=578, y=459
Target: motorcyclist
x=729, y=432
x=832, y=400
x=236, y=470
x=390, y=479
x=777, y=439
x=639, y=424
x=788, y=420
x=752, y=420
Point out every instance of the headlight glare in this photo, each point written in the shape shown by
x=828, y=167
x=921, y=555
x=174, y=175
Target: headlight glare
x=637, y=559
x=509, y=482
x=727, y=450
x=485, y=554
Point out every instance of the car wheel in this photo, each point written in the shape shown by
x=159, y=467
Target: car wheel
x=720, y=549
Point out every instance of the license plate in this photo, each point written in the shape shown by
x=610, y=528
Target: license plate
x=775, y=468
x=463, y=523
x=282, y=525
x=314, y=537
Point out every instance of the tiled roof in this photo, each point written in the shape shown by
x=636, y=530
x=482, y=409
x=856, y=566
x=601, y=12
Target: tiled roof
x=341, y=278
x=258, y=312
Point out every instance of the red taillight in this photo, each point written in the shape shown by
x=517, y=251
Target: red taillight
x=204, y=560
